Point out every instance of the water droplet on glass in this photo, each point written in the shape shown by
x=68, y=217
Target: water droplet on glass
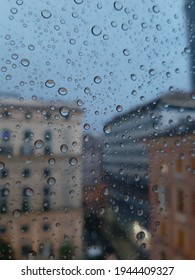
x=105, y=191
x=17, y=213
x=31, y=47
x=107, y=129
x=187, y=50
x=29, y=192
x=140, y=212
x=64, y=148
x=50, y=83
x=73, y=161
x=156, y=9
x=64, y=111
x=52, y=257
x=32, y=255
x=62, y=91
x=25, y=62
x=102, y=210
x=14, y=56
x=2, y=165
x=51, y=181
x=78, y=1
x=14, y=11
x=133, y=77
x=193, y=96
x=97, y=79
x=118, y=6
x=4, y=69
x=19, y=2
x=115, y=208
x=119, y=108
x=99, y=5
x=51, y=161
x=114, y=24
x=140, y=236
x=86, y=126
x=126, y=52
x=79, y=102
x=46, y=14
x=96, y=30
x=38, y=144
x=151, y=72
x=134, y=92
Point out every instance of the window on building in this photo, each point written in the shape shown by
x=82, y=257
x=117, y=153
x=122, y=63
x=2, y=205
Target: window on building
x=26, y=173
x=179, y=165
x=180, y=240
x=180, y=201
x=28, y=135
x=46, y=198
x=46, y=172
x=25, y=200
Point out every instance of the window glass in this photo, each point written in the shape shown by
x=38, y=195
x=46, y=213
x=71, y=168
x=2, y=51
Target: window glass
x=97, y=139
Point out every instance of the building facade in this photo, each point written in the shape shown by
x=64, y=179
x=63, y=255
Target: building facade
x=41, y=176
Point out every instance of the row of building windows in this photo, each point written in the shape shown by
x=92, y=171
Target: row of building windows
x=5, y=135
x=4, y=173
x=25, y=207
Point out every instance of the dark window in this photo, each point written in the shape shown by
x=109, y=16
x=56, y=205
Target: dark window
x=46, y=200
x=48, y=136
x=46, y=172
x=2, y=229
x=28, y=135
x=25, y=250
x=5, y=135
x=24, y=228
x=4, y=173
x=46, y=227
x=25, y=201
x=26, y=173
x=47, y=150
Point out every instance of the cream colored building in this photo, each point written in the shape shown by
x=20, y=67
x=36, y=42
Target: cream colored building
x=40, y=177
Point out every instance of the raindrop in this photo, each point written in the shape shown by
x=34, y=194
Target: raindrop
x=105, y=191
x=73, y=161
x=96, y=30
x=4, y=69
x=25, y=62
x=2, y=165
x=51, y=181
x=119, y=108
x=14, y=56
x=193, y=96
x=50, y=83
x=51, y=161
x=86, y=126
x=78, y=1
x=62, y=91
x=140, y=236
x=29, y=192
x=64, y=111
x=102, y=210
x=46, y=14
x=99, y=6
x=114, y=24
x=187, y=50
x=155, y=189
x=52, y=257
x=79, y=102
x=6, y=192
x=19, y=2
x=140, y=212
x=158, y=27
x=31, y=47
x=38, y=144
x=126, y=197
x=126, y=52
x=118, y=6
x=64, y=148
x=17, y=213
x=97, y=79
x=14, y=11
x=8, y=77
x=87, y=90
x=115, y=208
x=151, y=72
x=134, y=92
x=156, y=9
x=32, y=255
x=133, y=77
x=107, y=129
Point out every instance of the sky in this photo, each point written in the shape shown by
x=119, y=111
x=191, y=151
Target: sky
x=104, y=57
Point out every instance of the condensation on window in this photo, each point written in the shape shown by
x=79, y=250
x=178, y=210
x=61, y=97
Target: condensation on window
x=97, y=139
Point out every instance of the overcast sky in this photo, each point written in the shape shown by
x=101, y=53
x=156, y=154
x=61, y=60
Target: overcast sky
x=137, y=50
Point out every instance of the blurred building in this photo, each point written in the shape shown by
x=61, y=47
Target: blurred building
x=41, y=175
x=190, y=16
x=128, y=165
x=171, y=186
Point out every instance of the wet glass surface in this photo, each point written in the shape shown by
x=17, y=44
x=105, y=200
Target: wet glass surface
x=97, y=129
